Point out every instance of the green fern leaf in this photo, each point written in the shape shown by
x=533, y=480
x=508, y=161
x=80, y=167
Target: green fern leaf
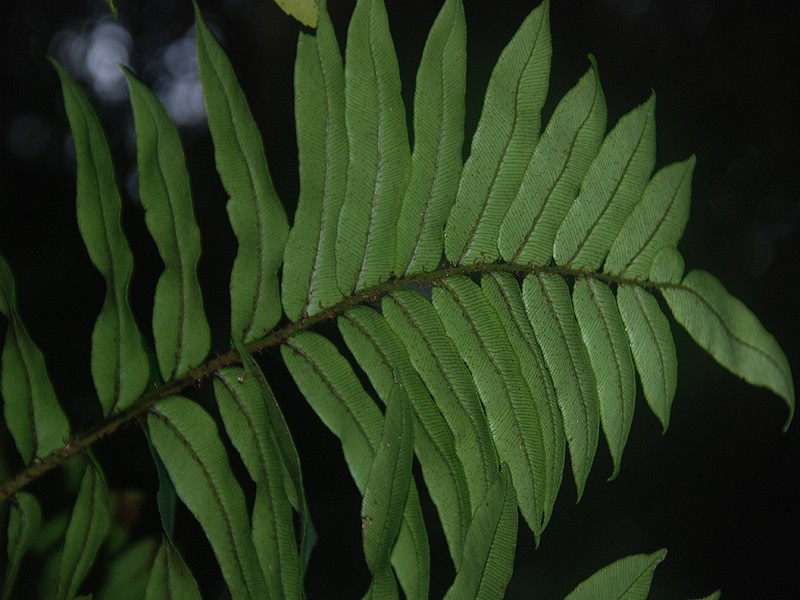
x=187, y=441
x=652, y=347
x=503, y=142
x=626, y=579
x=656, y=222
x=511, y=301
x=611, y=188
x=604, y=336
x=290, y=460
x=331, y=388
x=304, y=11
x=30, y=408
x=503, y=292
x=727, y=330
x=170, y=577
x=88, y=526
x=554, y=174
x=119, y=362
x=440, y=367
x=180, y=329
x=254, y=210
x=489, y=549
x=24, y=519
x=386, y=491
x=309, y=269
x=550, y=312
x=385, y=361
x=379, y=156
x=242, y=401
x=478, y=334
x=438, y=138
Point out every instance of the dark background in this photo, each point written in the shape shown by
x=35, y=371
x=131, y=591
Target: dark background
x=719, y=490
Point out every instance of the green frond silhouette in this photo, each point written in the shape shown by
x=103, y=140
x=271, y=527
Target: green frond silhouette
x=475, y=320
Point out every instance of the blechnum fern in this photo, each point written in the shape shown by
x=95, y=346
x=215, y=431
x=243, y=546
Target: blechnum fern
x=499, y=310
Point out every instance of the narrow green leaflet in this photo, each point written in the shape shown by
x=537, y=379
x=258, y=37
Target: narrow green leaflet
x=489, y=549
x=712, y=596
x=554, y=173
x=611, y=188
x=290, y=460
x=24, y=519
x=610, y=356
x=652, y=347
x=170, y=577
x=656, y=222
x=127, y=574
x=377, y=172
x=30, y=408
x=180, y=329
x=384, y=359
x=304, y=11
x=478, y=334
x=726, y=329
x=119, y=362
x=309, y=269
x=254, y=209
x=440, y=367
x=187, y=440
x=166, y=497
x=503, y=293
x=331, y=388
x=438, y=138
x=550, y=312
x=503, y=142
x=242, y=404
x=386, y=491
x=626, y=579
x=88, y=526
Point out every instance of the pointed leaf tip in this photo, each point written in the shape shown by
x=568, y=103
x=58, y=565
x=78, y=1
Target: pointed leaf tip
x=732, y=334
x=628, y=578
x=304, y=11
x=254, y=210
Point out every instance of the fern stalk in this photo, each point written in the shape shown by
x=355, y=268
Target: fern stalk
x=196, y=377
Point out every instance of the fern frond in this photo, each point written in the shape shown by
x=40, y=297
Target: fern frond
x=487, y=318
x=628, y=578
x=727, y=330
x=436, y=360
x=24, y=519
x=242, y=402
x=386, y=491
x=504, y=141
x=88, y=526
x=489, y=547
x=32, y=414
x=187, y=440
x=439, y=135
x=554, y=173
x=254, y=209
x=309, y=268
x=327, y=381
x=377, y=171
x=119, y=363
x=180, y=330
